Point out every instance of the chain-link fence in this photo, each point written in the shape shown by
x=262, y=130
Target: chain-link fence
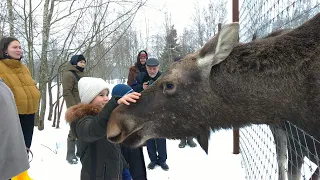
x=275, y=152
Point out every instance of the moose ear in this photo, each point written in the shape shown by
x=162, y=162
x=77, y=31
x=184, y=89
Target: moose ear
x=219, y=47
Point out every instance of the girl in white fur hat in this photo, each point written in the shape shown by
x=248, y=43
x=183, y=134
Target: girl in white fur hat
x=100, y=159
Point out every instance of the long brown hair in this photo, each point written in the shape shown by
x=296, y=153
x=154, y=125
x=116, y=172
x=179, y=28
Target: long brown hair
x=4, y=43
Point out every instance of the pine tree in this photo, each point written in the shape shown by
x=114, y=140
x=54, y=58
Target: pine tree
x=171, y=49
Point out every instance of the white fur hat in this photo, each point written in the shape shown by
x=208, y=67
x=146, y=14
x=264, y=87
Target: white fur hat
x=90, y=87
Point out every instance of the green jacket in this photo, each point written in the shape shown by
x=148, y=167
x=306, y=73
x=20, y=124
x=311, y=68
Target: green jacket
x=70, y=85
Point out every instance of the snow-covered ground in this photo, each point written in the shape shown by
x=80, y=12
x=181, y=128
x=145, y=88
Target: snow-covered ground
x=49, y=149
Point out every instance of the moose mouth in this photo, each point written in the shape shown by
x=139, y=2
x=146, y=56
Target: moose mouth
x=132, y=139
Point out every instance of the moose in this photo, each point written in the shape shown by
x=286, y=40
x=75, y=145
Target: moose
x=227, y=84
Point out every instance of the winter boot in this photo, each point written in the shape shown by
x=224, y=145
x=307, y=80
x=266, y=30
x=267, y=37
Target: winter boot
x=151, y=165
x=190, y=142
x=165, y=166
x=182, y=144
x=71, y=157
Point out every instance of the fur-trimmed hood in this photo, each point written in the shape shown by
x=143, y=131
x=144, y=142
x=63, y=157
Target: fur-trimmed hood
x=134, y=69
x=79, y=111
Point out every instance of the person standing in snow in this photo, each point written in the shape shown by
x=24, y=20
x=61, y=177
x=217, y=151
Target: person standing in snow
x=88, y=120
x=157, y=148
x=71, y=76
x=18, y=78
x=139, y=67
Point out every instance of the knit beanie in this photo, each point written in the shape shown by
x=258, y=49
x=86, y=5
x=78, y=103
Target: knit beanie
x=76, y=58
x=121, y=90
x=90, y=87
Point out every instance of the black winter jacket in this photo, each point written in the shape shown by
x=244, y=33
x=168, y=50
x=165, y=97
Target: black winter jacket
x=101, y=159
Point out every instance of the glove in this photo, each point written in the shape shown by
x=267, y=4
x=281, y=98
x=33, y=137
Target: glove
x=126, y=174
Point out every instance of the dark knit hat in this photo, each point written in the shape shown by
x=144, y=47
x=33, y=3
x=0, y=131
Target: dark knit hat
x=152, y=62
x=121, y=90
x=76, y=58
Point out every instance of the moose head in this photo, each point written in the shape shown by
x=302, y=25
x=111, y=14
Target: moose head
x=229, y=84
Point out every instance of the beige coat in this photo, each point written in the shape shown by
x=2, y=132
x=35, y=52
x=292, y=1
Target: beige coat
x=70, y=85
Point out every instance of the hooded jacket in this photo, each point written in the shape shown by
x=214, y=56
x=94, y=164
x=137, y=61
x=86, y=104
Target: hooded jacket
x=17, y=76
x=135, y=70
x=101, y=159
x=70, y=85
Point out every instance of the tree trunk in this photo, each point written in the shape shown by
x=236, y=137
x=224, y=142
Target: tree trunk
x=55, y=115
x=36, y=118
x=28, y=28
x=43, y=79
x=10, y=16
x=59, y=115
x=50, y=99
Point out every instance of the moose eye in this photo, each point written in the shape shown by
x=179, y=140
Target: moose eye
x=169, y=86
x=169, y=89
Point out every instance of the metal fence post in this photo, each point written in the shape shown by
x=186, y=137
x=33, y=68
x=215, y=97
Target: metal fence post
x=235, y=18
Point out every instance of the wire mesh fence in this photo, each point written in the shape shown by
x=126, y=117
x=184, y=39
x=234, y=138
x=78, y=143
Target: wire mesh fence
x=275, y=152
x=286, y=151
x=262, y=17
x=258, y=152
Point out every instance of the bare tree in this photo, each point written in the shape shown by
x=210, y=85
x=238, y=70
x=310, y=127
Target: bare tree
x=43, y=78
x=67, y=28
x=157, y=45
x=28, y=31
x=213, y=14
x=198, y=24
x=206, y=19
x=188, y=42
x=3, y=17
x=10, y=17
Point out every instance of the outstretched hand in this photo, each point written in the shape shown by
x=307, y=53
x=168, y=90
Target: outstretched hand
x=131, y=97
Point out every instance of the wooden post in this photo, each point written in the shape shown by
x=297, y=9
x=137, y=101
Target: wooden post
x=235, y=18
x=58, y=99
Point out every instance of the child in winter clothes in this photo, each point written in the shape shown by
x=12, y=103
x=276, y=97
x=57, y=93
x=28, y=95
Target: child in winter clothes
x=100, y=159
